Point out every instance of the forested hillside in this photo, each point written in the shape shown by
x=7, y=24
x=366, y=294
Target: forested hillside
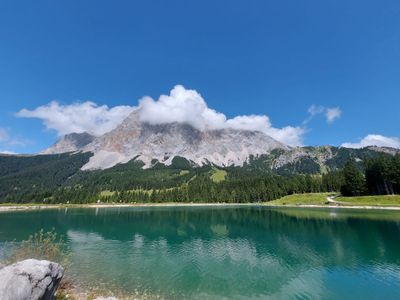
x=34, y=178
x=59, y=179
x=380, y=176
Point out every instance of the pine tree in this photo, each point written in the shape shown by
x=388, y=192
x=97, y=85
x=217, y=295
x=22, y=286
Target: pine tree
x=354, y=182
x=396, y=173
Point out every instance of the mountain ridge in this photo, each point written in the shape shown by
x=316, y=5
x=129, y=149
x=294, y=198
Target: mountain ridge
x=58, y=178
x=70, y=143
x=162, y=142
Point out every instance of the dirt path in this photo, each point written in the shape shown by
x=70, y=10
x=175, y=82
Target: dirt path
x=331, y=199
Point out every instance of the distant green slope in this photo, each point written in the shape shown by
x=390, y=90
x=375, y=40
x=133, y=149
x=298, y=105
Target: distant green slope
x=58, y=178
x=27, y=178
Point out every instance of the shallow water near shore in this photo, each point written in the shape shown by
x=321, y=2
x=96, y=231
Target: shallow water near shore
x=249, y=252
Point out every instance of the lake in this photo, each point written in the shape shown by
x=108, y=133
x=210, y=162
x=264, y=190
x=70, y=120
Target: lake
x=225, y=252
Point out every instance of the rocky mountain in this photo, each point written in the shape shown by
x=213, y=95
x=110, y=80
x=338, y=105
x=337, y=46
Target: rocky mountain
x=59, y=177
x=70, y=143
x=152, y=144
x=134, y=139
x=313, y=160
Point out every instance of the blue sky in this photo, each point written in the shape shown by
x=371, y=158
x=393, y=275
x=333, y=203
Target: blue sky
x=273, y=58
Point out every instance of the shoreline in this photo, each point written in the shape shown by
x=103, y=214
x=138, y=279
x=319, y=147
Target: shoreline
x=335, y=206
x=13, y=207
x=25, y=207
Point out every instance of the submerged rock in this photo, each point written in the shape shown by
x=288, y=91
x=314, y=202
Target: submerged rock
x=30, y=279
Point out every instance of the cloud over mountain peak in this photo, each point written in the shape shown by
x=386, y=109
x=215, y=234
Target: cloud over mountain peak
x=181, y=105
x=188, y=106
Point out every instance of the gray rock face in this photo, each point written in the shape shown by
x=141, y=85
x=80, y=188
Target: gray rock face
x=70, y=143
x=134, y=138
x=145, y=142
x=30, y=279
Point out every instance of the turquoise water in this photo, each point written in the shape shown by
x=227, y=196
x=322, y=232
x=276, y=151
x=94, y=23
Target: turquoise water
x=226, y=252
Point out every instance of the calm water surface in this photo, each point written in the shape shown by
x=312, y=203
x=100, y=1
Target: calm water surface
x=227, y=252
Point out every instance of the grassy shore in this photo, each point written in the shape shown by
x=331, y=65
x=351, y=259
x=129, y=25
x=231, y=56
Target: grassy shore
x=34, y=206
x=383, y=200
x=321, y=199
x=302, y=200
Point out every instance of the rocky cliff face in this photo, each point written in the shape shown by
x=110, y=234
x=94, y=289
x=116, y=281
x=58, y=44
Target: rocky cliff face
x=70, y=143
x=146, y=142
x=134, y=139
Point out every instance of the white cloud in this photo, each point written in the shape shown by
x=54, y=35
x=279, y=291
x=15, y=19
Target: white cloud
x=288, y=135
x=375, y=140
x=315, y=110
x=188, y=106
x=331, y=113
x=78, y=117
x=181, y=105
x=4, y=135
x=7, y=152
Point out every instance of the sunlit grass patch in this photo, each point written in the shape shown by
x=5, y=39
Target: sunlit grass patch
x=218, y=175
x=301, y=199
x=376, y=200
x=106, y=193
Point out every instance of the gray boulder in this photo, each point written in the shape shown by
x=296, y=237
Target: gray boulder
x=30, y=279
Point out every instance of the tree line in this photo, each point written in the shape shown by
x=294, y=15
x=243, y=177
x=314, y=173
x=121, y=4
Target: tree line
x=203, y=189
x=58, y=179
x=380, y=176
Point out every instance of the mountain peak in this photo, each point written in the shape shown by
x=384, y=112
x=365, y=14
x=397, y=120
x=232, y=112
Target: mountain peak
x=147, y=142
x=70, y=143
